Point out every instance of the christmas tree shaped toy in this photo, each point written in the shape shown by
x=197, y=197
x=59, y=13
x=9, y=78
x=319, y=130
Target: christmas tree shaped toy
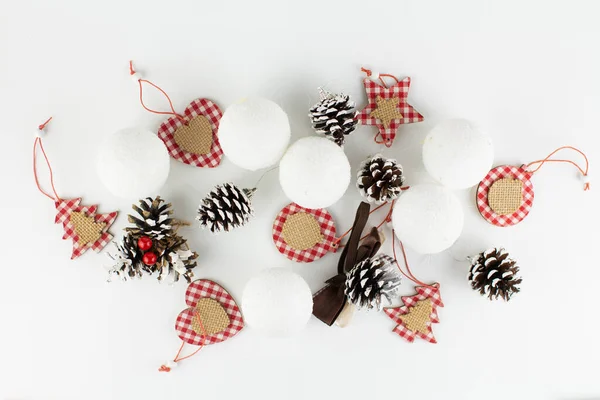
x=81, y=224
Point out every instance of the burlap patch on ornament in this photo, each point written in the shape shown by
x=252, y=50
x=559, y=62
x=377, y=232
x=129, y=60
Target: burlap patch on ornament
x=505, y=196
x=387, y=110
x=86, y=228
x=213, y=318
x=195, y=137
x=301, y=231
x=418, y=317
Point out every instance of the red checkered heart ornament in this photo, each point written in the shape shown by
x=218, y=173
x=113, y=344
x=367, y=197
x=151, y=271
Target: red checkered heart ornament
x=418, y=313
x=302, y=234
x=193, y=140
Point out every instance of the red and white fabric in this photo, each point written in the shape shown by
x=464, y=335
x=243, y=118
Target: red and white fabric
x=423, y=292
x=505, y=171
x=167, y=129
x=326, y=223
x=400, y=90
x=64, y=208
x=201, y=289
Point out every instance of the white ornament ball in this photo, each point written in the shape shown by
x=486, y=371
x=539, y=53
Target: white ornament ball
x=314, y=172
x=457, y=154
x=133, y=163
x=254, y=133
x=428, y=218
x=277, y=302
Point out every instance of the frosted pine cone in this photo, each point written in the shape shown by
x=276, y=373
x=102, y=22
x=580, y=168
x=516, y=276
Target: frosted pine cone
x=372, y=279
x=334, y=116
x=226, y=207
x=494, y=274
x=380, y=179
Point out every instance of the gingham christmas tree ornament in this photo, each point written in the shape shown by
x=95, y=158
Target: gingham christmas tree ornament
x=387, y=107
x=191, y=137
x=304, y=235
x=416, y=316
x=505, y=195
x=81, y=224
x=212, y=317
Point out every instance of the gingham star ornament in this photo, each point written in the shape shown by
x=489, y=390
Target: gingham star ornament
x=408, y=316
x=380, y=98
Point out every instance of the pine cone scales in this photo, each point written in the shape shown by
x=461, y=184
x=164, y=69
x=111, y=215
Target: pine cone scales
x=226, y=207
x=372, y=279
x=334, y=116
x=380, y=179
x=153, y=220
x=494, y=274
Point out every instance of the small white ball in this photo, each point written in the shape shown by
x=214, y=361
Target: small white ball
x=136, y=77
x=314, y=172
x=133, y=163
x=277, y=302
x=428, y=218
x=40, y=133
x=457, y=154
x=254, y=133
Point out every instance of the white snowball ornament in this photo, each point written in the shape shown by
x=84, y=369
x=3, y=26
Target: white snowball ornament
x=277, y=302
x=457, y=154
x=314, y=173
x=428, y=218
x=254, y=133
x=133, y=163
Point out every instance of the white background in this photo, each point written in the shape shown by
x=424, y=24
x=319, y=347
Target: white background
x=525, y=71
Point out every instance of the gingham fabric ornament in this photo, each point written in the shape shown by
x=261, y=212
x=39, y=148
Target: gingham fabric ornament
x=380, y=179
x=191, y=137
x=371, y=280
x=153, y=246
x=212, y=317
x=419, y=312
x=302, y=234
x=387, y=107
x=86, y=229
x=505, y=196
x=226, y=207
x=334, y=116
x=494, y=274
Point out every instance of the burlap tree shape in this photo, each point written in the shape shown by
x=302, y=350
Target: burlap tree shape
x=418, y=313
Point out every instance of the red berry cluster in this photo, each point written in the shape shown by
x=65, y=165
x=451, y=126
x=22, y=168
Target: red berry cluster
x=145, y=244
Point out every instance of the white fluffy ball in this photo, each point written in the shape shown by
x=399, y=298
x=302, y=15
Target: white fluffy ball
x=428, y=218
x=254, y=133
x=133, y=163
x=314, y=172
x=457, y=154
x=277, y=302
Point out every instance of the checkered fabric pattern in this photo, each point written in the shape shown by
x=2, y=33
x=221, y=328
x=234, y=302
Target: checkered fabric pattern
x=200, y=289
x=423, y=292
x=326, y=223
x=167, y=129
x=64, y=208
x=505, y=171
x=400, y=90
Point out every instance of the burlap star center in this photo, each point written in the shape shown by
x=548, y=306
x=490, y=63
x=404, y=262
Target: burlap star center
x=387, y=110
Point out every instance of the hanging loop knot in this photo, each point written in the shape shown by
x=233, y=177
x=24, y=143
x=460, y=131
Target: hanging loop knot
x=133, y=73
x=41, y=130
x=168, y=366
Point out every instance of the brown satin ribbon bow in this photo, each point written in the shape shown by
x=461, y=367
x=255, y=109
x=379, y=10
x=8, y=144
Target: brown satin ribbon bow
x=329, y=301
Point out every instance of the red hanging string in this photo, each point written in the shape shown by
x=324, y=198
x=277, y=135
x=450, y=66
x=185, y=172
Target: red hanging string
x=409, y=275
x=166, y=368
x=38, y=142
x=172, y=112
x=584, y=172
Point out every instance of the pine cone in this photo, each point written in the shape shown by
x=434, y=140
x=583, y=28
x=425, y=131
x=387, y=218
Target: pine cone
x=153, y=220
x=380, y=179
x=493, y=274
x=334, y=116
x=371, y=279
x=226, y=207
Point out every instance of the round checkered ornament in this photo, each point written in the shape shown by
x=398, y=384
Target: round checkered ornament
x=505, y=196
x=302, y=234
